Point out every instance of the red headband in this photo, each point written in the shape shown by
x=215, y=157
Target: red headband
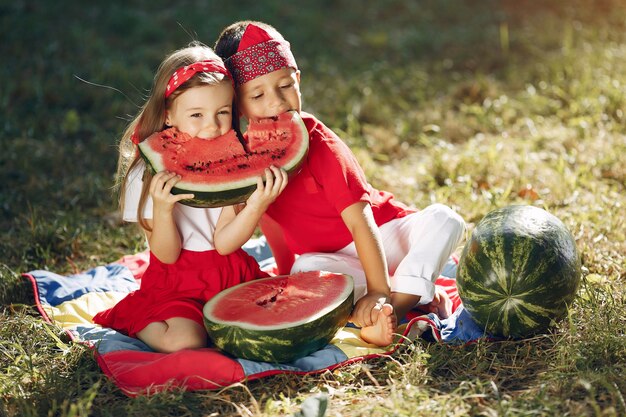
x=181, y=75
x=259, y=54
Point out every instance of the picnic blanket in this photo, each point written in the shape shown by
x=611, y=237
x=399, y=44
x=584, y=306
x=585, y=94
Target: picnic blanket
x=71, y=301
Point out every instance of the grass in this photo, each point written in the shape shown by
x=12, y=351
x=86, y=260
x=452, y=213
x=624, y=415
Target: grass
x=476, y=105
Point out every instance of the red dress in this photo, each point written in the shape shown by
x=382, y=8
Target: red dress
x=180, y=289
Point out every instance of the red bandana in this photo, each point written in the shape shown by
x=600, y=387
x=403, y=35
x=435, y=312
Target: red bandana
x=259, y=54
x=181, y=75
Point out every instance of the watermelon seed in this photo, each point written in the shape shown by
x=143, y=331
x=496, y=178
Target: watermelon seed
x=266, y=301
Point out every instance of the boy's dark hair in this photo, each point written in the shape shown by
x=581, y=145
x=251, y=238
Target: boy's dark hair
x=228, y=41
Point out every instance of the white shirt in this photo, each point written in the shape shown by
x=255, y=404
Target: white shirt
x=195, y=225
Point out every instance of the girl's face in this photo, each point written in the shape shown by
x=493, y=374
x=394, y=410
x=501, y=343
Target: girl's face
x=271, y=94
x=205, y=112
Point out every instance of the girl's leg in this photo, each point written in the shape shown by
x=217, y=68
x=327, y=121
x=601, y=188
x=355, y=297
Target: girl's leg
x=173, y=335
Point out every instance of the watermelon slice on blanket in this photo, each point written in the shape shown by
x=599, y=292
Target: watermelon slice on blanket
x=224, y=171
x=280, y=319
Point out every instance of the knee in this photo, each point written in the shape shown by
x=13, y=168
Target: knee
x=306, y=262
x=449, y=219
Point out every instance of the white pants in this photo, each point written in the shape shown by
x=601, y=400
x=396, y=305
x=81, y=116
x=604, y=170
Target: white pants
x=417, y=247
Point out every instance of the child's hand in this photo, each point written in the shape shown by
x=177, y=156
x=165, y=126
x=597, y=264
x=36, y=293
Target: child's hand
x=265, y=194
x=365, y=311
x=160, y=191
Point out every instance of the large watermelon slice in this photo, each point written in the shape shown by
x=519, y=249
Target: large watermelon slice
x=519, y=271
x=282, y=318
x=223, y=171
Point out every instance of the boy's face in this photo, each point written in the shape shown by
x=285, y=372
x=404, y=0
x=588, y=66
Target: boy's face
x=270, y=95
x=205, y=112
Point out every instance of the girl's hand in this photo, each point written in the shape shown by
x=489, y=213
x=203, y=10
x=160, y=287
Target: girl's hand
x=161, y=191
x=364, y=312
x=265, y=194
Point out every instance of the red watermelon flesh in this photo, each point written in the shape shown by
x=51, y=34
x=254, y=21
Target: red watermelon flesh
x=269, y=134
x=287, y=299
x=193, y=157
x=221, y=171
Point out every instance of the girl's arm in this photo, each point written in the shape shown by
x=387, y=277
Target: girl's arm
x=234, y=229
x=359, y=219
x=164, y=239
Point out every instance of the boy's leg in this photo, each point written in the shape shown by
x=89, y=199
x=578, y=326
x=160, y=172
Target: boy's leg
x=341, y=263
x=417, y=247
x=381, y=332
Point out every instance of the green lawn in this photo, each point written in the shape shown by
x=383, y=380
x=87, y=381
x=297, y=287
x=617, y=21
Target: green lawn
x=474, y=104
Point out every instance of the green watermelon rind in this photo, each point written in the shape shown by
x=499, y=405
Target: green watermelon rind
x=285, y=342
x=230, y=192
x=226, y=197
x=509, y=299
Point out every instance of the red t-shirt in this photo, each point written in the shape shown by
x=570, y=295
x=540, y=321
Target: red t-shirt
x=309, y=209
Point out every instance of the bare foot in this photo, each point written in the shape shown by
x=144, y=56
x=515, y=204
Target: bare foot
x=381, y=332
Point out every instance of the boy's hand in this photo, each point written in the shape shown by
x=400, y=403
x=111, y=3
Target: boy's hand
x=265, y=194
x=365, y=312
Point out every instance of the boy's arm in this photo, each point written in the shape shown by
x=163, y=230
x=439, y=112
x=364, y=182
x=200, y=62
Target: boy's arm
x=359, y=220
x=276, y=239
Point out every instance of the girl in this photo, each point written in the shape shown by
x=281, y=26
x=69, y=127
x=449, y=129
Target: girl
x=192, y=92
x=329, y=214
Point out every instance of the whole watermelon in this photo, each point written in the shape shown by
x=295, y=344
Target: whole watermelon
x=519, y=271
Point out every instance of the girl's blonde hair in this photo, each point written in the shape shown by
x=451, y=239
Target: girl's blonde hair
x=151, y=116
